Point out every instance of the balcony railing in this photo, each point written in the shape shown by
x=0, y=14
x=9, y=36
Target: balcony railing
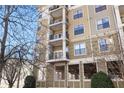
x=55, y=21
x=53, y=7
x=122, y=19
x=58, y=55
x=57, y=36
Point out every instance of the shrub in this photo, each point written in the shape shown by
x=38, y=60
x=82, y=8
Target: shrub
x=30, y=82
x=101, y=80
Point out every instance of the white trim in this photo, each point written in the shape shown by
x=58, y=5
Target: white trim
x=59, y=80
x=74, y=80
x=74, y=7
x=54, y=10
x=54, y=40
x=90, y=60
x=57, y=60
x=87, y=80
x=57, y=23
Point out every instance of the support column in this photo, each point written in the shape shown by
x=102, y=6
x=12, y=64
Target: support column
x=66, y=75
x=64, y=33
x=81, y=71
x=120, y=29
x=54, y=72
x=48, y=34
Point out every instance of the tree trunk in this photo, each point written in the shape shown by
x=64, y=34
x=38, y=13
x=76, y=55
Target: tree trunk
x=10, y=85
x=18, y=82
x=1, y=69
x=3, y=43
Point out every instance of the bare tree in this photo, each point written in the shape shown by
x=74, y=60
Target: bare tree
x=11, y=72
x=17, y=29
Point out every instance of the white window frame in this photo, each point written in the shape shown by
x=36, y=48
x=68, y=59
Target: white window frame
x=107, y=45
x=80, y=54
x=78, y=11
x=74, y=30
x=100, y=11
x=101, y=20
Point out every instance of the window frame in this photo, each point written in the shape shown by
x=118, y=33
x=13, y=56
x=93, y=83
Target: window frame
x=100, y=7
x=78, y=26
x=78, y=13
x=80, y=49
x=102, y=23
x=106, y=43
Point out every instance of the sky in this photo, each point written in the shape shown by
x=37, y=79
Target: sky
x=17, y=33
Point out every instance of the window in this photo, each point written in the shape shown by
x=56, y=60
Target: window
x=103, y=23
x=79, y=49
x=59, y=73
x=103, y=45
x=89, y=70
x=73, y=72
x=114, y=69
x=78, y=14
x=78, y=29
x=99, y=8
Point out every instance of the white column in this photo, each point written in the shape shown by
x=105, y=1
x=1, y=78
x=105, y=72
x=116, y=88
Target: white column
x=119, y=24
x=64, y=33
x=47, y=42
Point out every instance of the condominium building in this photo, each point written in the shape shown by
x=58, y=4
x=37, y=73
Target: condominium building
x=80, y=41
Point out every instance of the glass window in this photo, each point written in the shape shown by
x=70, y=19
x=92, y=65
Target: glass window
x=99, y=8
x=78, y=29
x=103, y=45
x=79, y=49
x=78, y=14
x=103, y=23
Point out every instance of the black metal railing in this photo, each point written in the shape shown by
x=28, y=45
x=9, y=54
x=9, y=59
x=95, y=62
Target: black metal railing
x=52, y=37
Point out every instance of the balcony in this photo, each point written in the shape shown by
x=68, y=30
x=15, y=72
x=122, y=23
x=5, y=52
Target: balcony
x=56, y=40
x=53, y=7
x=122, y=19
x=121, y=10
x=55, y=21
x=55, y=37
x=57, y=24
x=57, y=57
